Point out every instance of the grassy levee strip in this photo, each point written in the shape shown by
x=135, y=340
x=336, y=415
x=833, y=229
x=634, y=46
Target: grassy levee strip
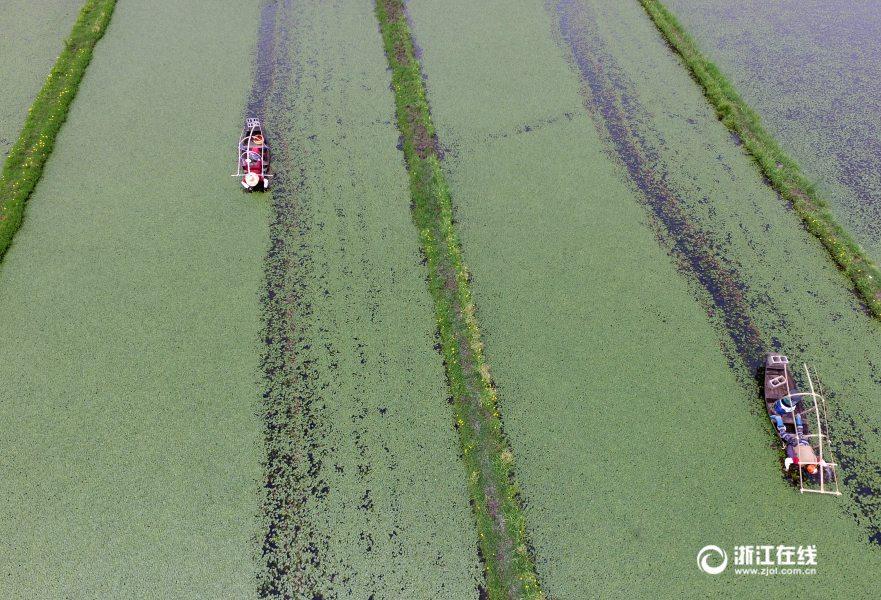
x=784, y=173
x=24, y=165
x=364, y=496
x=32, y=34
x=509, y=570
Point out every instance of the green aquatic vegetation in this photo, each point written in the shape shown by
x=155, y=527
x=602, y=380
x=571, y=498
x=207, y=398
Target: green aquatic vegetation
x=600, y=350
x=32, y=34
x=782, y=171
x=364, y=494
x=130, y=326
x=811, y=78
x=501, y=528
x=24, y=165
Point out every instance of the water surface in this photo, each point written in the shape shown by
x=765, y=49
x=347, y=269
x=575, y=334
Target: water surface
x=812, y=69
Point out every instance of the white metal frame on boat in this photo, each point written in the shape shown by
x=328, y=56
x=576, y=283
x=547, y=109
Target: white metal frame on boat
x=245, y=146
x=818, y=441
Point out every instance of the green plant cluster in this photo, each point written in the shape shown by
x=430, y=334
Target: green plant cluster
x=501, y=528
x=24, y=165
x=783, y=173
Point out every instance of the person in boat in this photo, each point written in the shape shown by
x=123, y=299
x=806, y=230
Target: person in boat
x=251, y=158
x=257, y=153
x=800, y=451
x=797, y=447
x=786, y=406
x=797, y=451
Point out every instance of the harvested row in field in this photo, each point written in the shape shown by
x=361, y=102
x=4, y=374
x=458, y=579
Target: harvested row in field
x=362, y=494
x=282, y=479
x=783, y=173
x=130, y=438
x=24, y=164
x=488, y=459
x=32, y=33
x=636, y=398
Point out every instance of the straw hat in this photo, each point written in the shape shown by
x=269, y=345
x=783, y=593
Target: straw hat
x=257, y=140
x=252, y=179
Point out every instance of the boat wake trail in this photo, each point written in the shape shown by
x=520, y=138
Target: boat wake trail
x=622, y=121
x=292, y=462
x=264, y=60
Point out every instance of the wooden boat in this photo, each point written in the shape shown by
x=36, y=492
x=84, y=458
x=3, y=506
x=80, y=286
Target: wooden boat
x=800, y=420
x=254, y=157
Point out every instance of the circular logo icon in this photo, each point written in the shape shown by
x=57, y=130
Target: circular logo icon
x=715, y=552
